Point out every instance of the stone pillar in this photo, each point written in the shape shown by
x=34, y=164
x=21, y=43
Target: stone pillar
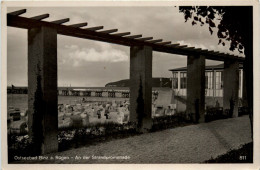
x=42, y=89
x=244, y=90
x=196, y=88
x=141, y=86
x=230, y=87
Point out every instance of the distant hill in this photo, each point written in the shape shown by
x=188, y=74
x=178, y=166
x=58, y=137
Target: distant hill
x=166, y=82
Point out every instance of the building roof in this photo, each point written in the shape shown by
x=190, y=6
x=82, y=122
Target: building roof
x=214, y=67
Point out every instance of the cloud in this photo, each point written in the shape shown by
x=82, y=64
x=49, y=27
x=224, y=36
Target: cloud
x=196, y=45
x=84, y=62
x=106, y=54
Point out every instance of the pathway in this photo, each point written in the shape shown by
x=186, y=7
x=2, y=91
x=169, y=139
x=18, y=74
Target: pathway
x=189, y=144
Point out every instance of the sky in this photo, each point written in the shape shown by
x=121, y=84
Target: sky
x=89, y=63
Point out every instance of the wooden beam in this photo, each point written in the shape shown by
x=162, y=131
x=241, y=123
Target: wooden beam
x=227, y=55
x=215, y=53
x=19, y=12
x=194, y=49
x=205, y=50
x=172, y=45
x=232, y=56
x=61, y=21
x=181, y=46
x=210, y=52
x=188, y=48
x=95, y=28
x=155, y=41
x=122, y=34
x=108, y=31
x=164, y=43
x=220, y=54
x=145, y=38
x=91, y=34
x=41, y=17
x=79, y=25
x=134, y=36
x=223, y=54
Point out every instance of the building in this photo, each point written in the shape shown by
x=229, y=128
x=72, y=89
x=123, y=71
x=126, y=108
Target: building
x=90, y=92
x=17, y=90
x=213, y=80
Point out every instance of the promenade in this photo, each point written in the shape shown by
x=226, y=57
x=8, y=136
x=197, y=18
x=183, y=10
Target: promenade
x=189, y=144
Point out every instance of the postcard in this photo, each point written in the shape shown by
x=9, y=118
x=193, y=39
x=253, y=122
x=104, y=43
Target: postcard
x=139, y=84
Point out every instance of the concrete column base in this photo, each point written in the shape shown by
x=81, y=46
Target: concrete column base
x=42, y=89
x=231, y=88
x=196, y=88
x=141, y=87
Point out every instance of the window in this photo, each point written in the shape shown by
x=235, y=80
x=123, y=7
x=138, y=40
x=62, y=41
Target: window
x=208, y=80
x=240, y=79
x=111, y=94
x=175, y=80
x=183, y=80
x=219, y=80
x=125, y=94
x=98, y=94
x=87, y=93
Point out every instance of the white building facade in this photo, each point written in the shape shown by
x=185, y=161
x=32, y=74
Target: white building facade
x=213, y=81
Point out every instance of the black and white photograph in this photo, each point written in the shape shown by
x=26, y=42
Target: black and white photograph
x=130, y=84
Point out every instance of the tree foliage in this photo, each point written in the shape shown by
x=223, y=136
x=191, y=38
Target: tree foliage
x=236, y=26
x=233, y=22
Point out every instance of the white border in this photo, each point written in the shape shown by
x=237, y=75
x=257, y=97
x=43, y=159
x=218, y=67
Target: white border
x=21, y=4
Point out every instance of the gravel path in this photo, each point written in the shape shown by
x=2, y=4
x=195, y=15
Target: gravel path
x=189, y=144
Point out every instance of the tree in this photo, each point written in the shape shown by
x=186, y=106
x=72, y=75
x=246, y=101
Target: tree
x=236, y=27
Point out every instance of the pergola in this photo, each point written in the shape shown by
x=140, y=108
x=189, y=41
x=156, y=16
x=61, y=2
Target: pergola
x=42, y=73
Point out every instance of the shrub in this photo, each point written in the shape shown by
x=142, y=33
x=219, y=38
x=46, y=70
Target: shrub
x=94, y=133
x=243, y=111
x=165, y=122
x=19, y=146
x=216, y=113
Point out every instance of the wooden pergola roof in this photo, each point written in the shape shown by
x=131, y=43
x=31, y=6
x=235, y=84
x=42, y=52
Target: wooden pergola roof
x=110, y=36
